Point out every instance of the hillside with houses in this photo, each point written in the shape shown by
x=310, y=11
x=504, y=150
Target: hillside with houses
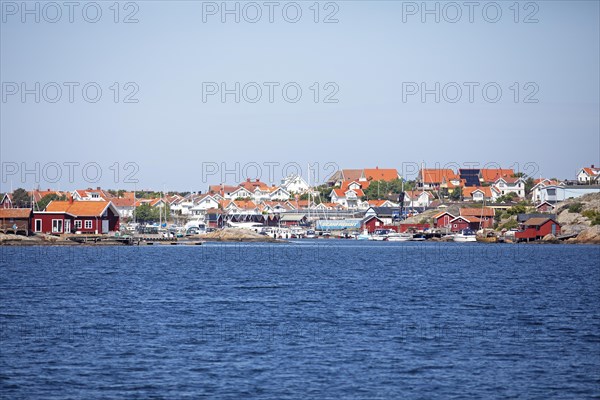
x=438, y=201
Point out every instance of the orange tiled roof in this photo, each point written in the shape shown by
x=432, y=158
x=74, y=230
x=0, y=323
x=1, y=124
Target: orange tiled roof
x=436, y=176
x=508, y=179
x=381, y=174
x=122, y=202
x=592, y=171
x=415, y=194
x=363, y=184
x=252, y=185
x=477, y=212
x=15, y=212
x=352, y=174
x=468, y=191
x=78, y=208
x=436, y=216
x=491, y=175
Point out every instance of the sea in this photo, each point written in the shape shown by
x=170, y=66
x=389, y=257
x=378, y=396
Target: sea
x=308, y=319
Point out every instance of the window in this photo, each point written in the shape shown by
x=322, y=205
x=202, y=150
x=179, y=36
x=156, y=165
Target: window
x=38, y=225
x=78, y=224
x=88, y=224
x=57, y=225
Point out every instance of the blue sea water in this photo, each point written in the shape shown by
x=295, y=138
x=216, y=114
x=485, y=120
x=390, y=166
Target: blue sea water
x=309, y=319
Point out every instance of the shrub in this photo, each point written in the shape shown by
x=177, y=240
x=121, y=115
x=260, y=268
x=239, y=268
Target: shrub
x=593, y=216
x=511, y=224
x=575, y=207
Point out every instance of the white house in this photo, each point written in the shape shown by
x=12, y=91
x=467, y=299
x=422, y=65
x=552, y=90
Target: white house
x=203, y=203
x=416, y=198
x=240, y=192
x=480, y=193
x=556, y=193
x=124, y=206
x=294, y=184
x=507, y=185
x=279, y=194
x=536, y=190
x=349, y=198
x=588, y=175
x=90, y=195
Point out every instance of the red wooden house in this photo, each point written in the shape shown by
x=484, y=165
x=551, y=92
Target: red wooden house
x=545, y=207
x=460, y=223
x=537, y=228
x=442, y=220
x=485, y=216
x=91, y=217
x=372, y=223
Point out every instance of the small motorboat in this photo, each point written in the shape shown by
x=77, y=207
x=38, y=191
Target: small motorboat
x=465, y=235
x=380, y=235
x=399, y=237
x=310, y=234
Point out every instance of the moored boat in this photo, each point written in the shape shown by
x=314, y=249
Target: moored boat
x=465, y=235
x=399, y=237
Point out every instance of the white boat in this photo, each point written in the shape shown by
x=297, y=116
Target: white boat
x=363, y=236
x=380, y=235
x=399, y=237
x=197, y=223
x=465, y=236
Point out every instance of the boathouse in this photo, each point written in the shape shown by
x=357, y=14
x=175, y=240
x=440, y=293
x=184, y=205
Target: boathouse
x=15, y=220
x=537, y=228
x=91, y=217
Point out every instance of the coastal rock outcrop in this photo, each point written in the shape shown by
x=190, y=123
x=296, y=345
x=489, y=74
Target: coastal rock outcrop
x=236, y=235
x=589, y=236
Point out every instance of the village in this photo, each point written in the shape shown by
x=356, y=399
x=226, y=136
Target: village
x=467, y=205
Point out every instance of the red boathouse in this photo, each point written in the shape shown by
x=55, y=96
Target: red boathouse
x=537, y=228
x=91, y=217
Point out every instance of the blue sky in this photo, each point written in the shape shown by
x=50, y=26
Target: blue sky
x=370, y=58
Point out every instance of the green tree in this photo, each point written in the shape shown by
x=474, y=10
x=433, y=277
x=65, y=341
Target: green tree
x=146, y=213
x=44, y=201
x=529, y=184
x=456, y=194
x=380, y=190
x=506, y=198
x=21, y=199
x=520, y=208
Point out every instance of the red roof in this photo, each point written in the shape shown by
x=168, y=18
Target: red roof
x=491, y=175
x=15, y=213
x=120, y=202
x=78, y=208
x=415, y=194
x=352, y=174
x=477, y=212
x=251, y=185
x=441, y=214
x=468, y=191
x=591, y=171
x=436, y=176
x=381, y=174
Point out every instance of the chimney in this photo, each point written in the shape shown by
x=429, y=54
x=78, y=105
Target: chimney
x=97, y=187
x=247, y=179
x=593, y=166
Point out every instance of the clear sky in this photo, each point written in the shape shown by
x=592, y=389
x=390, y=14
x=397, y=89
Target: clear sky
x=180, y=135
